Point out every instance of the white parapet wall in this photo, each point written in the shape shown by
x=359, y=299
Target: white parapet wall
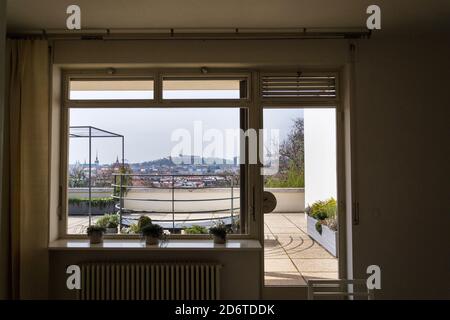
x=289, y=200
x=320, y=154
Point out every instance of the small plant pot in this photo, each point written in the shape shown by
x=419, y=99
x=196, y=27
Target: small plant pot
x=151, y=241
x=96, y=237
x=111, y=230
x=219, y=240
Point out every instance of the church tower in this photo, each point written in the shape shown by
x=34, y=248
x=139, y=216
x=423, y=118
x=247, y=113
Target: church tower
x=97, y=163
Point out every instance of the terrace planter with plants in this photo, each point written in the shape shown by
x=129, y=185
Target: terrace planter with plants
x=322, y=226
x=327, y=239
x=80, y=206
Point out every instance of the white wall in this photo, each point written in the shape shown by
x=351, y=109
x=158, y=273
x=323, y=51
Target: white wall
x=320, y=154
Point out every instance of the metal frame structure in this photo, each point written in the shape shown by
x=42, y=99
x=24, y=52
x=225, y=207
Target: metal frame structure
x=90, y=132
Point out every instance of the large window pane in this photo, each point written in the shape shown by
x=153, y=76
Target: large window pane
x=180, y=167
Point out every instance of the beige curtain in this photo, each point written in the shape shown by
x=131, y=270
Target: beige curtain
x=24, y=220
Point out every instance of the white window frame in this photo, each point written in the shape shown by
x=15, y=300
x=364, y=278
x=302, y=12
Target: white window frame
x=157, y=102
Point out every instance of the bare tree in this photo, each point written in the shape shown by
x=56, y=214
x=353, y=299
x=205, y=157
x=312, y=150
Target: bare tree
x=77, y=177
x=292, y=149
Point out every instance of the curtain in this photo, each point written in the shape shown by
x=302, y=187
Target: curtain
x=25, y=177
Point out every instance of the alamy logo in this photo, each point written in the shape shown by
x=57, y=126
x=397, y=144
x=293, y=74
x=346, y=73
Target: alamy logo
x=374, y=20
x=74, y=279
x=73, y=21
x=212, y=144
x=374, y=279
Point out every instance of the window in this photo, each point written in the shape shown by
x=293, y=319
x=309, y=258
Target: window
x=299, y=86
x=180, y=166
x=300, y=234
x=101, y=89
x=176, y=89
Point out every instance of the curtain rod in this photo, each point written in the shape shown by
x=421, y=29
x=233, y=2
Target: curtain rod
x=195, y=34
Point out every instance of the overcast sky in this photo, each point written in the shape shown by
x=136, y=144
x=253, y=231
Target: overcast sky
x=148, y=131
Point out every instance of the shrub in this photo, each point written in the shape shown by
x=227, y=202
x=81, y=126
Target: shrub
x=112, y=224
x=331, y=223
x=322, y=210
x=153, y=230
x=293, y=178
x=134, y=228
x=100, y=203
x=319, y=226
x=107, y=219
x=196, y=229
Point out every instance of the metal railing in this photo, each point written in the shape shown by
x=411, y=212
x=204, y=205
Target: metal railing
x=123, y=184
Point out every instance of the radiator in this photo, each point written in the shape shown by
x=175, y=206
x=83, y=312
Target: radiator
x=149, y=281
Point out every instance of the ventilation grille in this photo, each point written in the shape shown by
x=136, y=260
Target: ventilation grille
x=298, y=86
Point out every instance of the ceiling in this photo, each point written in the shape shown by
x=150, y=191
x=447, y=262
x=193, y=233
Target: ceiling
x=397, y=15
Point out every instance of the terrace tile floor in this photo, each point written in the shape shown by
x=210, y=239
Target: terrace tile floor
x=291, y=257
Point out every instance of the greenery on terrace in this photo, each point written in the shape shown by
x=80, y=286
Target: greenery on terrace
x=325, y=213
x=101, y=203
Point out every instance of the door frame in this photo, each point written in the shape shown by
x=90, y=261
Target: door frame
x=300, y=292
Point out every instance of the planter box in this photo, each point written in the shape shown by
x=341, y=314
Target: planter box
x=82, y=209
x=328, y=239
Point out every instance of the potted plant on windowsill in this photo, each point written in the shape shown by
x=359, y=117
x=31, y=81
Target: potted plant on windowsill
x=152, y=233
x=219, y=233
x=95, y=234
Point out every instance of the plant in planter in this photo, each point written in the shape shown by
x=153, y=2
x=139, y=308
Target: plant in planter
x=321, y=210
x=318, y=226
x=219, y=233
x=95, y=234
x=152, y=233
x=331, y=223
x=322, y=224
x=136, y=227
x=111, y=227
x=110, y=222
x=196, y=229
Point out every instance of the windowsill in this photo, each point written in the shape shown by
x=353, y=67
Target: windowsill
x=114, y=244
